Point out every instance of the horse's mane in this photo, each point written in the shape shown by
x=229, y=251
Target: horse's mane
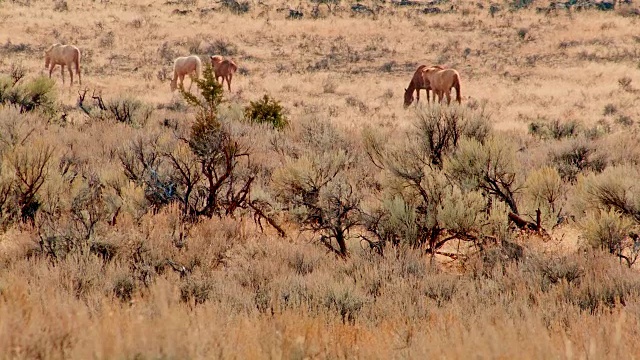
x=52, y=46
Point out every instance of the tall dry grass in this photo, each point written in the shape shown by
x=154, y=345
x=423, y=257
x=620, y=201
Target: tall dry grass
x=561, y=89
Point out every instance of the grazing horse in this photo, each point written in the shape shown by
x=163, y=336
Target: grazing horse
x=186, y=65
x=224, y=69
x=63, y=55
x=441, y=82
x=416, y=84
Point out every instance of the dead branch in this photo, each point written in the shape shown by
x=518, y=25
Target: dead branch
x=81, y=96
x=98, y=99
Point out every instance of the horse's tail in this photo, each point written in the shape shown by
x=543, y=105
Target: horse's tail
x=198, y=68
x=456, y=84
x=78, y=56
x=233, y=67
x=174, y=79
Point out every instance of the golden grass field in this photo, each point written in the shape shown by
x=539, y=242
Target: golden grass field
x=251, y=294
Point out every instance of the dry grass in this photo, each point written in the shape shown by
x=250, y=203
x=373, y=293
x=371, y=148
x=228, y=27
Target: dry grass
x=246, y=293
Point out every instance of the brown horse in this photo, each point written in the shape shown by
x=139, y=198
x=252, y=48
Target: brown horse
x=416, y=84
x=442, y=81
x=63, y=55
x=224, y=69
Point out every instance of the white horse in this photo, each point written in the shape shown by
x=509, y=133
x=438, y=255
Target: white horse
x=187, y=65
x=63, y=55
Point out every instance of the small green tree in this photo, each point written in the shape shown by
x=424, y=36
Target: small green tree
x=266, y=110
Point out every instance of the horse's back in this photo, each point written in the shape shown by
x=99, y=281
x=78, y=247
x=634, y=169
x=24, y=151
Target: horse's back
x=64, y=53
x=187, y=64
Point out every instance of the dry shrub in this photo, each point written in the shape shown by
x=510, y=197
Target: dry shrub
x=490, y=167
x=577, y=156
x=609, y=207
x=427, y=200
x=545, y=190
x=555, y=129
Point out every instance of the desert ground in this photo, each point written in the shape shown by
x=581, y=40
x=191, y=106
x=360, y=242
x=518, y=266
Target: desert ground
x=115, y=242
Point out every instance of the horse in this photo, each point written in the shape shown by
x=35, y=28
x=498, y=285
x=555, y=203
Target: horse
x=441, y=82
x=186, y=65
x=224, y=69
x=63, y=55
x=416, y=84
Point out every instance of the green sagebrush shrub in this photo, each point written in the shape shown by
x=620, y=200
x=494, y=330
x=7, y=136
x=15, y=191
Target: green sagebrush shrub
x=36, y=94
x=266, y=110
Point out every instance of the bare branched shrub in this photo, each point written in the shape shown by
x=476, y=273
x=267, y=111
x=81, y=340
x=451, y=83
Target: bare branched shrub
x=60, y=5
x=206, y=171
x=423, y=204
x=129, y=111
x=30, y=165
x=625, y=83
x=236, y=7
x=577, y=156
x=440, y=130
x=345, y=301
x=167, y=53
x=555, y=129
x=108, y=39
x=124, y=288
x=17, y=72
x=320, y=197
x=195, y=291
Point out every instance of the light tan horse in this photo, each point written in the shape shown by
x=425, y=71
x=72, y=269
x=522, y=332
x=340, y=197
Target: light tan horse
x=224, y=69
x=441, y=82
x=63, y=55
x=183, y=66
x=416, y=84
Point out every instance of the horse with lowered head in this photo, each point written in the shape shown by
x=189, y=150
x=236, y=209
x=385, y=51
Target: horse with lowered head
x=183, y=66
x=416, y=84
x=442, y=81
x=63, y=55
x=223, y=68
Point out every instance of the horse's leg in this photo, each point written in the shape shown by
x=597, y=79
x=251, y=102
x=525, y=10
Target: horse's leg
x=418, y=96
x=70, y=74
x=448, y=94
x=62, y=72
x=229, y=81
x=51, y=70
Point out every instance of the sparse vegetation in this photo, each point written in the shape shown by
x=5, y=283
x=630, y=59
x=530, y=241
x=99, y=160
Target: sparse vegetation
x=323, y=220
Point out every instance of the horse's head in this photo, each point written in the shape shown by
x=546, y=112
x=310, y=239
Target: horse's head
x=408, y=97
x=47, y=54
x=216, y=59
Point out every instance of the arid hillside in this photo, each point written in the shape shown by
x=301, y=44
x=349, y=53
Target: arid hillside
x=307, y=213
